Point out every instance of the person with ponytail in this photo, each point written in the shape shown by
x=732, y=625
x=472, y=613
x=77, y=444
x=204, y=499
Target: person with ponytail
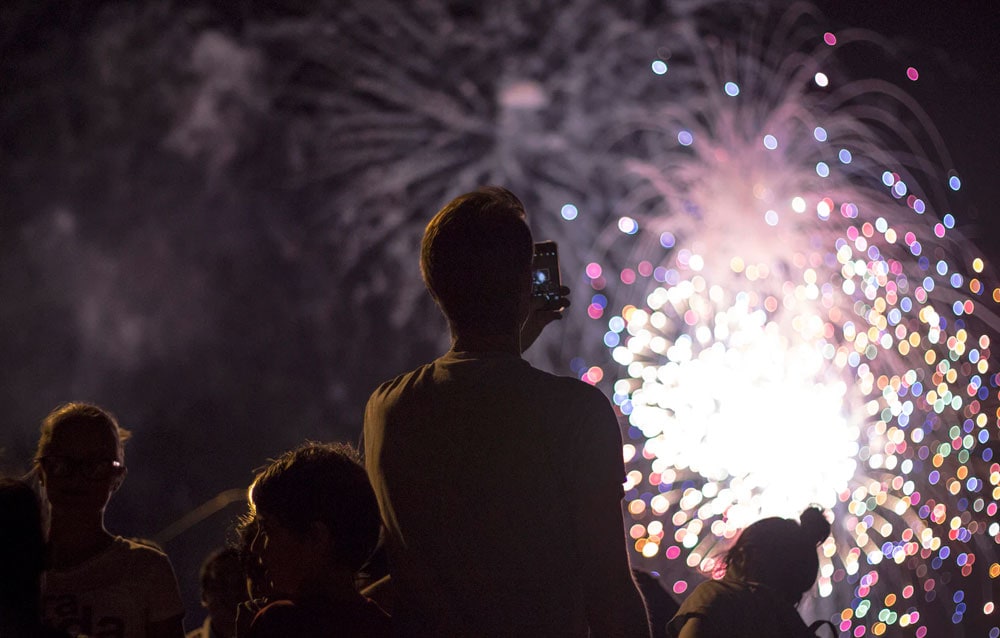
x=766, y=572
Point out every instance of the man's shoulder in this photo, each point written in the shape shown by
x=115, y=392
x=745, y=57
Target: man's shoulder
x=397, y=384
x=572, y=388
x=508, y=376
x=288, y=618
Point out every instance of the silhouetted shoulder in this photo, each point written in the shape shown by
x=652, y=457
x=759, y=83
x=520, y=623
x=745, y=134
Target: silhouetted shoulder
x=286, y=619
x=586, y=392
x=402, y=381
x=582, y=398
x=141, y=551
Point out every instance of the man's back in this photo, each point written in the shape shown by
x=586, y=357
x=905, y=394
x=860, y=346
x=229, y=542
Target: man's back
x=487, y=472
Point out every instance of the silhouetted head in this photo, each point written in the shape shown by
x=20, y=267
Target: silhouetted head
x=313, y=508
x=223, y=588
x=476, y=261
x=780, y=553
x=81, y=456
x=22, y=538
x=22, y=558
x=257, y=587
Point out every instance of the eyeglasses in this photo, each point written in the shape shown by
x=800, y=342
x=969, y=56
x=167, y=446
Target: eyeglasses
x=92, y=469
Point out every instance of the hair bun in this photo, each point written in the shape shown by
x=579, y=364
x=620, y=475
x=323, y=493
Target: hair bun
x=815, y=527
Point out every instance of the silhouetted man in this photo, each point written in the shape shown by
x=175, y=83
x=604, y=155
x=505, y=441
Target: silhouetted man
x=500, y=485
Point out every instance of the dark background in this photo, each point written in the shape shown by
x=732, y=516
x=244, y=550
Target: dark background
x=955, y=47
x=174, y=270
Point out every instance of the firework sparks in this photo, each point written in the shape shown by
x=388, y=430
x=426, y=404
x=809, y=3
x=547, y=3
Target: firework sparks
x=797, y=326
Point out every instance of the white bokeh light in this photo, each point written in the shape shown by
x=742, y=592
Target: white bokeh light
x=733, y=400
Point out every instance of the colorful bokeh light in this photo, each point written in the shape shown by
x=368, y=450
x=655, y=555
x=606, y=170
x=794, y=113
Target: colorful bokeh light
x=778, y=359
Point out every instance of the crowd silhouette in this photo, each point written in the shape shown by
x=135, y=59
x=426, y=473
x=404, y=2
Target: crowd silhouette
x=460, y=520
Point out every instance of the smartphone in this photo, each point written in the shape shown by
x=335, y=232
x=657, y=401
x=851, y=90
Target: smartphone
x=545, y=283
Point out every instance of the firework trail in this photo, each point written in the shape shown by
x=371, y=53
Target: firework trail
x=396, y=110
x=778, y=301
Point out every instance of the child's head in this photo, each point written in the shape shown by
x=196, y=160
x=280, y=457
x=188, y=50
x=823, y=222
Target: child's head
x=780, y=553
x=81, y=456
x=315, y=510
x=223, y=588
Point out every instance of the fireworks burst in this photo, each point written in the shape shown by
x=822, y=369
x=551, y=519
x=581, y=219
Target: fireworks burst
x=797, y=325
x=779, y=304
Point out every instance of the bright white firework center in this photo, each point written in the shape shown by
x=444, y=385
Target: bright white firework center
x=718, y=389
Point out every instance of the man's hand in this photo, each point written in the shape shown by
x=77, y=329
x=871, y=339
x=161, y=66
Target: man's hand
x=539, y=317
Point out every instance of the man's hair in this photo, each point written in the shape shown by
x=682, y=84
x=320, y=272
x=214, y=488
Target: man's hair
x=322, y=482
x=780, y=553
x=475, y=259
x=77, y=414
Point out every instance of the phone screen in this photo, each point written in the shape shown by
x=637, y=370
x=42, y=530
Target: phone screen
x=545, y=282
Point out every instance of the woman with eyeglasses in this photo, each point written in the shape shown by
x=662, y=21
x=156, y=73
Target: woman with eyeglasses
x=97, y=584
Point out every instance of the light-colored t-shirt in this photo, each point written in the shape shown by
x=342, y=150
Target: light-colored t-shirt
x=481, y=463
x=114, y=594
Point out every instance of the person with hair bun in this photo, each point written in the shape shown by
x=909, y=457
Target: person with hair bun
x=767, y=570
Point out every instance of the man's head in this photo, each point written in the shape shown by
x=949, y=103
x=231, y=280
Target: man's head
x=313, y=508
x=476, y=261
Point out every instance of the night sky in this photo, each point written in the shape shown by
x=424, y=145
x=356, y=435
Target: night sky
x=955, y=47
x=165, y=255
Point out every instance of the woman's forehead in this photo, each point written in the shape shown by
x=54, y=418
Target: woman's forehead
x=83, y=439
